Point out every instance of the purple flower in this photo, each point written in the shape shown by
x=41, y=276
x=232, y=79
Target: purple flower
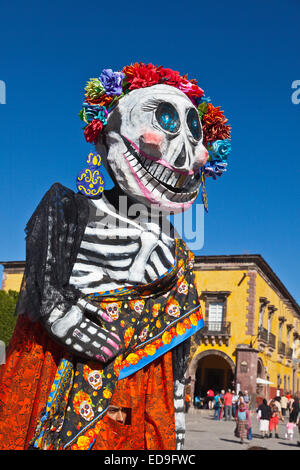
x=214, y=168
x=112, y=82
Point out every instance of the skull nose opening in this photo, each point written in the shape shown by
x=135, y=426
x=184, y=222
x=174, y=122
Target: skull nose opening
x=181, y=158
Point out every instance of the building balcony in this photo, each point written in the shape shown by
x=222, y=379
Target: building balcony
x=272, y=340
x=281, y=348
x=216, y=328
x=216, y=332
x=263, y=335
x=266, y=341
x=289, y=353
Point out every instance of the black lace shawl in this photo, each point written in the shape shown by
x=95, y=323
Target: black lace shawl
x=53, y=236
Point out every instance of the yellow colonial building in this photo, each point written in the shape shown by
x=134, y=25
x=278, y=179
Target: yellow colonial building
x=251, y=338
x=12, y=275
x=252, y=323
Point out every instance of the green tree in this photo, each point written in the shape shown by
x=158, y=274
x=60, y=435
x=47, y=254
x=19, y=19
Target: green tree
x=8, y=302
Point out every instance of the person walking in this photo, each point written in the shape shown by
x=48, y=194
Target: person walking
x=217, y=404
x=284, y=404
x=210, y=397
x=289, y=433
x=247, y=399
x=235, y=398
x=295, y=409
x=197, y=402
x=221, y=413
x=274, y=421
x=242, y=420
x=228, y=405
x=290, y=403
x=264, y=416
x=298, y=424
x=187, y=402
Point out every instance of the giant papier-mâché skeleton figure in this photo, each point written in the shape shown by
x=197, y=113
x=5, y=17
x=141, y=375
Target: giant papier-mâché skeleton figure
x=105, y=276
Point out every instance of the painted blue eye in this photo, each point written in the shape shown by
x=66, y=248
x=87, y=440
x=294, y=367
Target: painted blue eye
x=193, y=123
x=167, y=117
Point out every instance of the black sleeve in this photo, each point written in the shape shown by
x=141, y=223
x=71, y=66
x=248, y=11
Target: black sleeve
x=53, y=236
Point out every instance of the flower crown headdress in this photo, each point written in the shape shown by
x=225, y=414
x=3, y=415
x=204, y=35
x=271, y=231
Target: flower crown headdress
x=103, y=93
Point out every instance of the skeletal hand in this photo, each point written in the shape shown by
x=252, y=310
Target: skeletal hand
x=82, y=336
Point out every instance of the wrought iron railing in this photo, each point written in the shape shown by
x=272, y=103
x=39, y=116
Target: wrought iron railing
x=289, y=352
x=281, y=348
x=263, y=334
x=272, y=340
x=216, y=328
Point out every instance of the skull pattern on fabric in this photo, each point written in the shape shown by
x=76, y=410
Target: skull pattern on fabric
x=112, y=310
x=144, y=333
x=137, y=305
x=183, y=288
x=173, y=308
x=86, y=411
x=95, y=379
x=154, y=144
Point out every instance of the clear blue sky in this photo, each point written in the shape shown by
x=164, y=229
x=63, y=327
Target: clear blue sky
x=244, y=55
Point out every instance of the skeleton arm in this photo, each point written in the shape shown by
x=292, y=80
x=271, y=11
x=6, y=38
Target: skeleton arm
x=53, y=236
x=80, y=335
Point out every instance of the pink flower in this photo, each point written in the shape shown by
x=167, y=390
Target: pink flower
x=191, y=89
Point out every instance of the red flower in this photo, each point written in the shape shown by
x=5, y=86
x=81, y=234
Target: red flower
x=141, y=75
x=173, y=332
x=158, y=343
x=187, y=323
x=169, y=77
x=92, y=130
x=214, y=125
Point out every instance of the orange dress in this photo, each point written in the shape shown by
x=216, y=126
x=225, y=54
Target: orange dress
x=25, y=383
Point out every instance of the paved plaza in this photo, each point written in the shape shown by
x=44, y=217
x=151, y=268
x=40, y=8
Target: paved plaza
x=204, y=433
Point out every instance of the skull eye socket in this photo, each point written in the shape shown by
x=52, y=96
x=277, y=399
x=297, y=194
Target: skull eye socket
x=193, y=123
x=167, y=117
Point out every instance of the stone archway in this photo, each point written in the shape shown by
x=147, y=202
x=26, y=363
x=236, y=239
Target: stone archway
x=262, y=390
x=210, y=369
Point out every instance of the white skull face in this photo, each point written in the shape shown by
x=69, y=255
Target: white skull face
x=95, y=379
x=86, y=411
x=155, y=150
x=173, y=310
x=138, y=307
x=113, y=310
x=183, y=288
x=144, y=333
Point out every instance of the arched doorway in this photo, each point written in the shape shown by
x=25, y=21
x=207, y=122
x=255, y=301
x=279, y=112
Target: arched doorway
x=211, y=369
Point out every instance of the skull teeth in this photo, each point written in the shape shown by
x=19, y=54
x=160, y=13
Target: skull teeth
x=161, y=173
x=177, y=187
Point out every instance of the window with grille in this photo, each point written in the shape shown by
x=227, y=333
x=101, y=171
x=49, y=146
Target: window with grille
x=215, y=316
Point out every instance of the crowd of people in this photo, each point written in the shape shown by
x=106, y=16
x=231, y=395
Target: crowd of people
x=232, y=405
x=269, y=413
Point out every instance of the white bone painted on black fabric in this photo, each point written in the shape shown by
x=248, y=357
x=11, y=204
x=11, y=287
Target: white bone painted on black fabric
x=80, y=335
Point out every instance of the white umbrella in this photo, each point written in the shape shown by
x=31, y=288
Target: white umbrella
x=263, y=381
